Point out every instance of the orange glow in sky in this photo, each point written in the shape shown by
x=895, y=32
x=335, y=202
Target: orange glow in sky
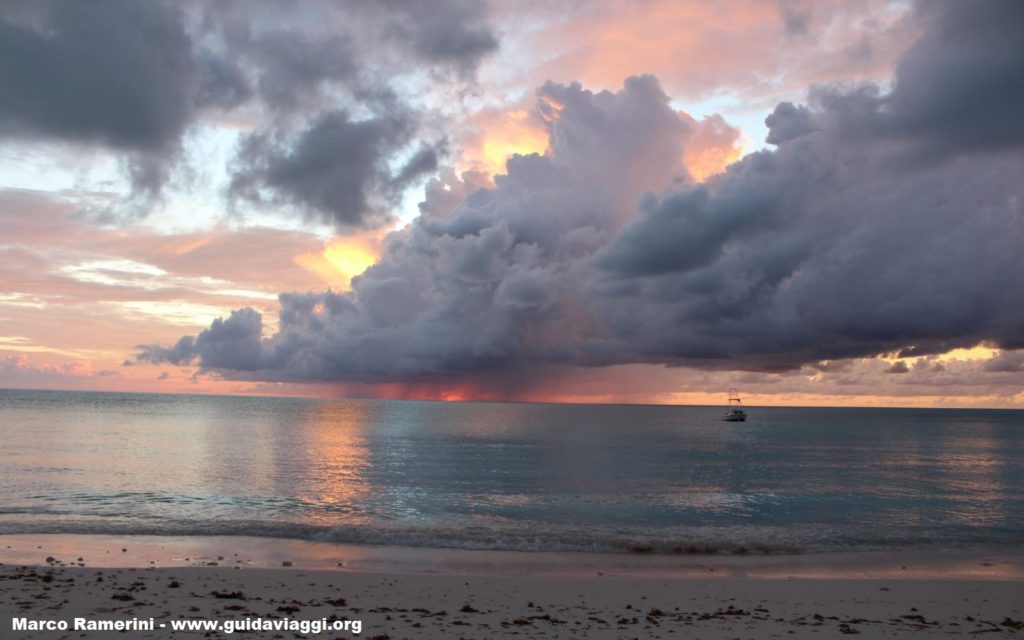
x=340, y=260
x=501, y=136
x=703, y=163
x=977, y=352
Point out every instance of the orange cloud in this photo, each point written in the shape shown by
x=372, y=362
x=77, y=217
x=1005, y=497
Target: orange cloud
x=498, y=135
x=341, y=259
x=713, y=146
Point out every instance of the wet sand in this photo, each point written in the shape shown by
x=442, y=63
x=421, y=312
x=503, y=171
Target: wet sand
x=430, y=593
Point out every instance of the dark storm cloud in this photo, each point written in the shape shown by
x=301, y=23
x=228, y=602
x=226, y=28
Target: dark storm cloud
x=128, y=74
x=424, y=161
x=858, y=235
x=821, y=250
x=835, y=246
x=222, y=83
x=688, y=229
x=112, y=71
x=483, y=286
x=294, y=69
x=121, y=75
x=233, y=343
x=182, y=352
x=788, y=121
x=135, y=77
x=960, y=88
x=325, y=163
x=334, y=170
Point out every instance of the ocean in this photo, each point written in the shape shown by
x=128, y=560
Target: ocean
x=531, y=477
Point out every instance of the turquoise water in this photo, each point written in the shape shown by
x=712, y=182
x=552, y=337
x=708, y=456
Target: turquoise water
x=511, y=476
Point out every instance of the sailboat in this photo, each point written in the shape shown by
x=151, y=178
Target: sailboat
x=734, y=411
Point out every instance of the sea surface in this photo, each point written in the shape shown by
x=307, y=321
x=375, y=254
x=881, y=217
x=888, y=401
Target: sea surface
x=601, y=478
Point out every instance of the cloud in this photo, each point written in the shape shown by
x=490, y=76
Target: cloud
x=17, y=371
x=336, y=170
x=232, y=343
x=897, y=367
x=1008, y=362
x=73, y=289
x=136, y=80
x=292, y=68
x=467, y=289
x=222, y=83
x=116, y=72
x=788, y=121
x=853, y=237
x=446, y=192
x=346, y=141
x=740, y=53
x=483, y=285
x=795, y=19
x=453, y=32
x=968, y=51
x=859, y=235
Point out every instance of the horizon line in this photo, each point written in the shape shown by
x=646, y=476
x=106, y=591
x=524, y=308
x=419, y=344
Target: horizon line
x=493, y=401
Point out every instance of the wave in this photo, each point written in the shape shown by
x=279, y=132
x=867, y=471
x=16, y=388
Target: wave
x=485, y=538
x=668, y=541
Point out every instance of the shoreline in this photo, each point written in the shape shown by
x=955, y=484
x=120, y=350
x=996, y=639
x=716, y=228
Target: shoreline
x=430, y=593
x=144, y=551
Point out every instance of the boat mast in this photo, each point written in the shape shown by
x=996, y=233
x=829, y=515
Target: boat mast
x=734, y=397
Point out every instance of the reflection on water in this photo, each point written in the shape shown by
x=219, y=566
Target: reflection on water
x=509, y=476
x=972, y=472
x=334, y=458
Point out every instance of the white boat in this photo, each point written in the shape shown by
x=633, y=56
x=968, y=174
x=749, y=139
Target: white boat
x=734, y=411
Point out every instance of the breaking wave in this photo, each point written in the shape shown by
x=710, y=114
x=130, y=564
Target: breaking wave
x=672, y=541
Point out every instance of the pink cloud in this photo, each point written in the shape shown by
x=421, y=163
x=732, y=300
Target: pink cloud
x=699, y=49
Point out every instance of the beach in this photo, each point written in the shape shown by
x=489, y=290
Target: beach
x=428, y=593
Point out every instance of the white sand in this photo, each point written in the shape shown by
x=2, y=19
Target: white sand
x=631, y=597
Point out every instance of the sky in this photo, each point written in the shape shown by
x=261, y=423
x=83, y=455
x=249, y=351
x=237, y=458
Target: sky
x=650, y=201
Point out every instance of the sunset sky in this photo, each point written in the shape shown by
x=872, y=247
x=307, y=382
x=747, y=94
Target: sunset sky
x=609, y=201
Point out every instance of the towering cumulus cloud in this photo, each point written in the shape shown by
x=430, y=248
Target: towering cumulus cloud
x=880, y=221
